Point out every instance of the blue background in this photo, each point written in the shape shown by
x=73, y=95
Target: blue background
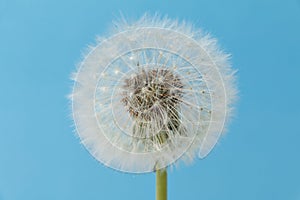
x=40, y=157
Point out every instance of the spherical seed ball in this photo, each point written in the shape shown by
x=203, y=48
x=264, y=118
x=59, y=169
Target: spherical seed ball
x=155, y=92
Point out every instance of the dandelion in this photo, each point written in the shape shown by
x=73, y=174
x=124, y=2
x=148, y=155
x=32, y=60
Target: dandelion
x=154, y=93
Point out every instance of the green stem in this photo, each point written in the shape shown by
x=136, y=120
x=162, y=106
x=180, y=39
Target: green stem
x=161, y=184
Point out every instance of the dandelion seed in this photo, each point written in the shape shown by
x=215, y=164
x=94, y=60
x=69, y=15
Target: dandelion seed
x=164, y=94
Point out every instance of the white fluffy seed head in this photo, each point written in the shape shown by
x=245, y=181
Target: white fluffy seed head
x=155, y=92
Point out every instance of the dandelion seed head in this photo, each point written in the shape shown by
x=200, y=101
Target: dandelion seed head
x=155, y=93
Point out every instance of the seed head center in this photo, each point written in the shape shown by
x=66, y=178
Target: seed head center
x=150, y=93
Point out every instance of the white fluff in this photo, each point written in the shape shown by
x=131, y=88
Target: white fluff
x=102, y=121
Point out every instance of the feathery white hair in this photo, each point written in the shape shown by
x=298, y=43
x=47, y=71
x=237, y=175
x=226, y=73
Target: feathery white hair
x=155, y=92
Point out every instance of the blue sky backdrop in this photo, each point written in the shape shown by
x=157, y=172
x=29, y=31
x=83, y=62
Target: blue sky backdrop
x=40, y=157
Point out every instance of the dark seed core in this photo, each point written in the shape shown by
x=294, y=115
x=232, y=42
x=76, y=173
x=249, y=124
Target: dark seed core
x=150, y=92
